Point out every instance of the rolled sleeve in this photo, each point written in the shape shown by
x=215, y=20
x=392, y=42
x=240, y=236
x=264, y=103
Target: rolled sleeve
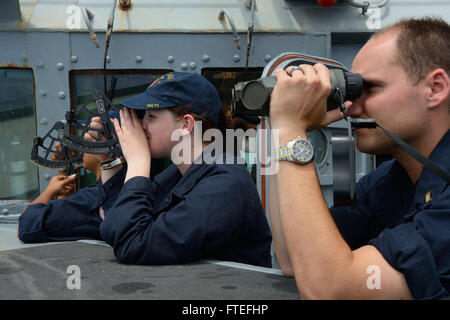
x=131, y=213
x=109, y=191
x=31, y=224
x=68, y=219
x=406, y=250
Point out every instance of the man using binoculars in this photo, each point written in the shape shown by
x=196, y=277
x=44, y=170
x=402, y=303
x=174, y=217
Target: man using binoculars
x=394, y=243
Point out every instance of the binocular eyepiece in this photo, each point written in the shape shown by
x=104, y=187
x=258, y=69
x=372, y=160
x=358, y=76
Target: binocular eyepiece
x=253, y=97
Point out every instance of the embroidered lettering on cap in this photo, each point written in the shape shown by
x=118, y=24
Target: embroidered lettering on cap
x=153, y=105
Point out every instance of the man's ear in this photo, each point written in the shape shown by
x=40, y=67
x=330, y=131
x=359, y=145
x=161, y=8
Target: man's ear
x=188, y=123
x=438, y=83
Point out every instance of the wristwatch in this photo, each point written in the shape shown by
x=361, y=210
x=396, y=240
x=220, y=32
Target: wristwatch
x=109, y=164
x=299, y=150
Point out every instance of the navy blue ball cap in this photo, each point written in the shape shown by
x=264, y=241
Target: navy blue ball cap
x=179, y=89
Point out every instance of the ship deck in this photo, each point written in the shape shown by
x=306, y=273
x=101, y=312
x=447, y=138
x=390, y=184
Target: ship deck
x=50, y=271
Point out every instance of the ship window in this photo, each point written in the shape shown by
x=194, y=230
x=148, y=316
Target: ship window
x=18, y=176
x=224, y=80
x=124, y=84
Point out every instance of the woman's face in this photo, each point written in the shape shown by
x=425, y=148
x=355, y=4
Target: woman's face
x=158, y=126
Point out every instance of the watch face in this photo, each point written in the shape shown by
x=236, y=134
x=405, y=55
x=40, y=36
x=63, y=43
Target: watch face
x=302, y=151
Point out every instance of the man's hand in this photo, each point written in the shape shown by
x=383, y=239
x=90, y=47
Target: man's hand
x=299, y=99
x=133, y=142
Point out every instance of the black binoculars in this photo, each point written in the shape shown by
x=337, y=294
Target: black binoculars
x=253, y=97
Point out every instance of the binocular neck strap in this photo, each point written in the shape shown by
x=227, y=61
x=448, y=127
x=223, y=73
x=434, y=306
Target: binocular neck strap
x=430, y=165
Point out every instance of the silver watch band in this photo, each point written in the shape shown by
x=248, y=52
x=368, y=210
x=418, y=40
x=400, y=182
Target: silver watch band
x=107, y=165
x=284, y=153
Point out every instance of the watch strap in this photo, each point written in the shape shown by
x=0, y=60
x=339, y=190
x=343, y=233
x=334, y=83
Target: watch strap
x=109, y=164
x=284, y=153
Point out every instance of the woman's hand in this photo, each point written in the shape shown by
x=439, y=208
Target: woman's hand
x=133, y=142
